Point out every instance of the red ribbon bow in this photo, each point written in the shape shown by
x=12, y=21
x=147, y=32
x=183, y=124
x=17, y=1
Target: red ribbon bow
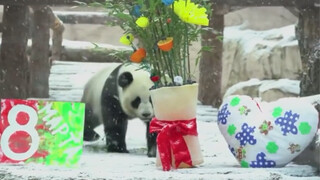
x=171, y=137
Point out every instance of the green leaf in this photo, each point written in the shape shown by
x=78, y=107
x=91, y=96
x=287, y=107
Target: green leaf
x=95, y=4
x=123, y=16
x=206, y=48
x=197, y=60
x=220, y=38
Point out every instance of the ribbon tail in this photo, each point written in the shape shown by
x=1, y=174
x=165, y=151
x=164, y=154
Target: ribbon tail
x=164, y=151
x=180, y=151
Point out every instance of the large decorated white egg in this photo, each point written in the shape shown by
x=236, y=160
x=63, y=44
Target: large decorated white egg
x=263, y=135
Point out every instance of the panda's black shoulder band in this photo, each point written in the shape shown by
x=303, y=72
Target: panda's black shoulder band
x=110, y=88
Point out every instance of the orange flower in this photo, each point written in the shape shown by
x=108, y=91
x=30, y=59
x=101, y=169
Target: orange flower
x=166, y=44
x=138, y=55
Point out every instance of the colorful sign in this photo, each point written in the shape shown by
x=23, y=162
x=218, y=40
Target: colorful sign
x=38, y=131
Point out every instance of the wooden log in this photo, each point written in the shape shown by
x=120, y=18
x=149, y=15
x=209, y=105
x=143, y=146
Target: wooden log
x=39, y=59
x=76, y=17
x=13, y=64
x=48, y=2
x=304, y=3
x=81, y=17
x=89, y=52
x=67, y=79
x=57, y=36
x=248, y=3
x=211, y=61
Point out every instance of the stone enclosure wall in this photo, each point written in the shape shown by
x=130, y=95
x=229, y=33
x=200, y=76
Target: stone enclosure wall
x=254, y=47
x=259, y=43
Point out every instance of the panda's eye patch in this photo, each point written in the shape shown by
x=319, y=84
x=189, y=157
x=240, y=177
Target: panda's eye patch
x=135, y=103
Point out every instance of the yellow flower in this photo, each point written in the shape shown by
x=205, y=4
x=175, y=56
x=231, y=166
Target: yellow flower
x=190, y=12
x=142, y=22
x=126, y=39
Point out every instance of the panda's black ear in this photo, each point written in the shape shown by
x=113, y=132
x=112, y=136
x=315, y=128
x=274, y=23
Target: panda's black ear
x=125, y=79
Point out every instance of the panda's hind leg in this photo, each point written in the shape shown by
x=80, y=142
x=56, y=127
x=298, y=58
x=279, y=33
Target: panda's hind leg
x=151, y=142
x=91, y=121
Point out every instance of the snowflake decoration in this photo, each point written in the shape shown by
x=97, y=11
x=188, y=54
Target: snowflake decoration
x=244, y=110
x=265, y=127
x=287, y=123
x=294, y=148
x=223, y=114
x=246, y=135
x=261, y=162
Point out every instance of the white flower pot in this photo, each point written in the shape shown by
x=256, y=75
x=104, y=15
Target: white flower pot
x=178, y=103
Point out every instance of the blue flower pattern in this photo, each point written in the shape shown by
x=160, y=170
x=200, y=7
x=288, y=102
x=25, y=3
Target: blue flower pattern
x=232, y=150
x=246, y=135
x=287, y=123
x=223, y=114
x=261, y=162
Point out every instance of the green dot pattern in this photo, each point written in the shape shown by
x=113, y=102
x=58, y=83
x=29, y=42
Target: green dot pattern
x=232, y=129
x=235, y=101
x=304, y=128
x=272, y=147
x=244, y=164
x=277, y=112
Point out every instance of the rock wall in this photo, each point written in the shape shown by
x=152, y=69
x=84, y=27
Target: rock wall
x=265, y=55
x=267, y=90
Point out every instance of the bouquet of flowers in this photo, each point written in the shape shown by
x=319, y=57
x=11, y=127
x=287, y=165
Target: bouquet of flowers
x=160, y=33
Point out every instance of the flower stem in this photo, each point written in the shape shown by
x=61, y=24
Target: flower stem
x=185, y=53
x=188, y=54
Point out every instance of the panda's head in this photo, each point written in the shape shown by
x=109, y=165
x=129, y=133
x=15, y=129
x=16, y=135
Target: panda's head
x=134, y=95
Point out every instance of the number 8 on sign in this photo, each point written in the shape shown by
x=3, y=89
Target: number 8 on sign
x=14, y=126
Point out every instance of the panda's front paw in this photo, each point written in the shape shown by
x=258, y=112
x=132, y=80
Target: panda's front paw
x=114, y=146
x=90, y=135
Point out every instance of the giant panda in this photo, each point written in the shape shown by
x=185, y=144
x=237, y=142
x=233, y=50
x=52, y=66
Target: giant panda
x=114, y=95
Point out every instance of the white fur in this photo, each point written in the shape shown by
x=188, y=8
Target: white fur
x=139, y=87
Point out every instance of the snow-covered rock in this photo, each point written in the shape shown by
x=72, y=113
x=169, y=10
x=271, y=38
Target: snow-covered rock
x=269, y=54
x=267, y=90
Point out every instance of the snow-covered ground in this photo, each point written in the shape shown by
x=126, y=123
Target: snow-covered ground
x=96, y=163
x=218, y=164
